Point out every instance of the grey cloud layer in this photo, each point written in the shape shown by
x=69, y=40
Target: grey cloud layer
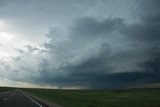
x=97, y=53
x=129, y=67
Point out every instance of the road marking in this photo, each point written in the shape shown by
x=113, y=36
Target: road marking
x=5, y=99
x=33, y=100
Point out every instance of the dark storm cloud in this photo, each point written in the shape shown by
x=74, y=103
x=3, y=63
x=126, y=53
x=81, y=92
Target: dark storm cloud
x=99, y=52
x=97, y=63
x=93, y=72
x=149, y=7
x=147, y=30
x=95, y=76
x=146, y=33
x=88, y=26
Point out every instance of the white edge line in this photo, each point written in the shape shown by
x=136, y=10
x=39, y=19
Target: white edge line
x=33, y=100
x=5, y=99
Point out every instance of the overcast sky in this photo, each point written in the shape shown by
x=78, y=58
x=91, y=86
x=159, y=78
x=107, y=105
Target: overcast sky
x=79, y=44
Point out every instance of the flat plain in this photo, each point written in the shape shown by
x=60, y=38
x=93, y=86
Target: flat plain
x=101, y=98
x=97, y=98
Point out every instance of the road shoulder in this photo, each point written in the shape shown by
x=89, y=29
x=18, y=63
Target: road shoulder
x=50, y=104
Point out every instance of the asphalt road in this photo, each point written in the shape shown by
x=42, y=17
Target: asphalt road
x=18, y=98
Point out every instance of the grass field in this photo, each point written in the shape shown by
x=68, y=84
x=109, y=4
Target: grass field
x=3, y=89
x=93, y=98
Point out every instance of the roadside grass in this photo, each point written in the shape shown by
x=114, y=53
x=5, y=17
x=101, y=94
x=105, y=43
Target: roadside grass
x=100, y=98
x=3, y=89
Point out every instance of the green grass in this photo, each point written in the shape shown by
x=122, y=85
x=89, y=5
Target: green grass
x=93, y=98
x=3, y=89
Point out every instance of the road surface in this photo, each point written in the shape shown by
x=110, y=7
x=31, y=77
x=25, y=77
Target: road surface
x=18, y=98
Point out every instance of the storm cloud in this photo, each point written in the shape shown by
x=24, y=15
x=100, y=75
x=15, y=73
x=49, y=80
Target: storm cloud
x=91, y=49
